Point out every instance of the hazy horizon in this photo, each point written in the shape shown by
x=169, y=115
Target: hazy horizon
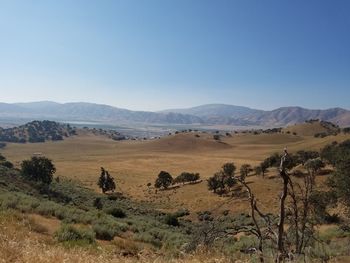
x=156, y=55
x=176, y=108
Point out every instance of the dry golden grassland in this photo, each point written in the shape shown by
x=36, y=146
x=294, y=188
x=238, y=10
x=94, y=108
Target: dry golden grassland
x=28, y=239
x=20, y=242
x=136, y=163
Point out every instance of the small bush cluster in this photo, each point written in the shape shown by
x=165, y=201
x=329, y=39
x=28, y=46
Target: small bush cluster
x=115, y=211
x=68, y=233
x=4, y=162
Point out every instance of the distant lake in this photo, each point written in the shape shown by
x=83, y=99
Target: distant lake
x=83, y=122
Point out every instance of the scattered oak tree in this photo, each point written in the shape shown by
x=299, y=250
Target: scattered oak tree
x=187, y=177
x=245, y=170
x=39, y=169
x=223, y=180
x=164, y=180
x=214, y=183
x=106, y=181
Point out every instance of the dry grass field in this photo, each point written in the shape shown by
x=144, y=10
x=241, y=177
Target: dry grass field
x=136, y=163
x=20, y=242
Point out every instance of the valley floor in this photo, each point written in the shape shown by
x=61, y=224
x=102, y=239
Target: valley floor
x=134, y=164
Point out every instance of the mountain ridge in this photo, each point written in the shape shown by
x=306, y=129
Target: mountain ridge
x=208, y=114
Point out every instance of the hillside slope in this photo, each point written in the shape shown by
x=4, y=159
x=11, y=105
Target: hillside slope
x=37, y=131
x=313, y=128
x=186, y=142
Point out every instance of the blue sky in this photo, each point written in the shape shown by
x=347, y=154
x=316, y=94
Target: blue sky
x=152, y=55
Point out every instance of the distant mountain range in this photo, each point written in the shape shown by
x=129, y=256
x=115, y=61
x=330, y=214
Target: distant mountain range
x=244, y=116
x=82, y=111
x=210, y=114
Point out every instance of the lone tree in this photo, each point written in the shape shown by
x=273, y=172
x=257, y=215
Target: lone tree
x=213, y=183
x=164, y=180
x=39, y=169
x=105, y=181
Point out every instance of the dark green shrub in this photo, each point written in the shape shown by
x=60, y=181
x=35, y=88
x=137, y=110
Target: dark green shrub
x=38, y=169
x=332, y=219
x=187, y=177
x=216, y=137
x=7, y=164
x=116, y=212
x=171, y=220
x=104, y=231
x=98, y=203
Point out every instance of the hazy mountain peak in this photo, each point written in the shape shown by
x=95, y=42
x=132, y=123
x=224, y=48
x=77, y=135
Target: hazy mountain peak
x=208, y=114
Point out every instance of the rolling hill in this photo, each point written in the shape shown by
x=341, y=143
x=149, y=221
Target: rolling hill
x=37, y=131
x=186, y=142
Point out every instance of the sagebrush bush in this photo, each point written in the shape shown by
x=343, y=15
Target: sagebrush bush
x=68, y=233
x=47, y=208
x=72, y=203
x=8, y=201
x=105, y=230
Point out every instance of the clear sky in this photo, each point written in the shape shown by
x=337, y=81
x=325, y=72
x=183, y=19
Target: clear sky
x=152, y=55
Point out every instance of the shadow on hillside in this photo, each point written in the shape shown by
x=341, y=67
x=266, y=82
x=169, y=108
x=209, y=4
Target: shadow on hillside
x=176, y=186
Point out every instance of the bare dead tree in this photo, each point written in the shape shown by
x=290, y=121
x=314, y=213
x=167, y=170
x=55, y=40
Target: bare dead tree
x=277, y=236
x=261, y=233
x=301, y=211
x=294, y=198
x=282, y=214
